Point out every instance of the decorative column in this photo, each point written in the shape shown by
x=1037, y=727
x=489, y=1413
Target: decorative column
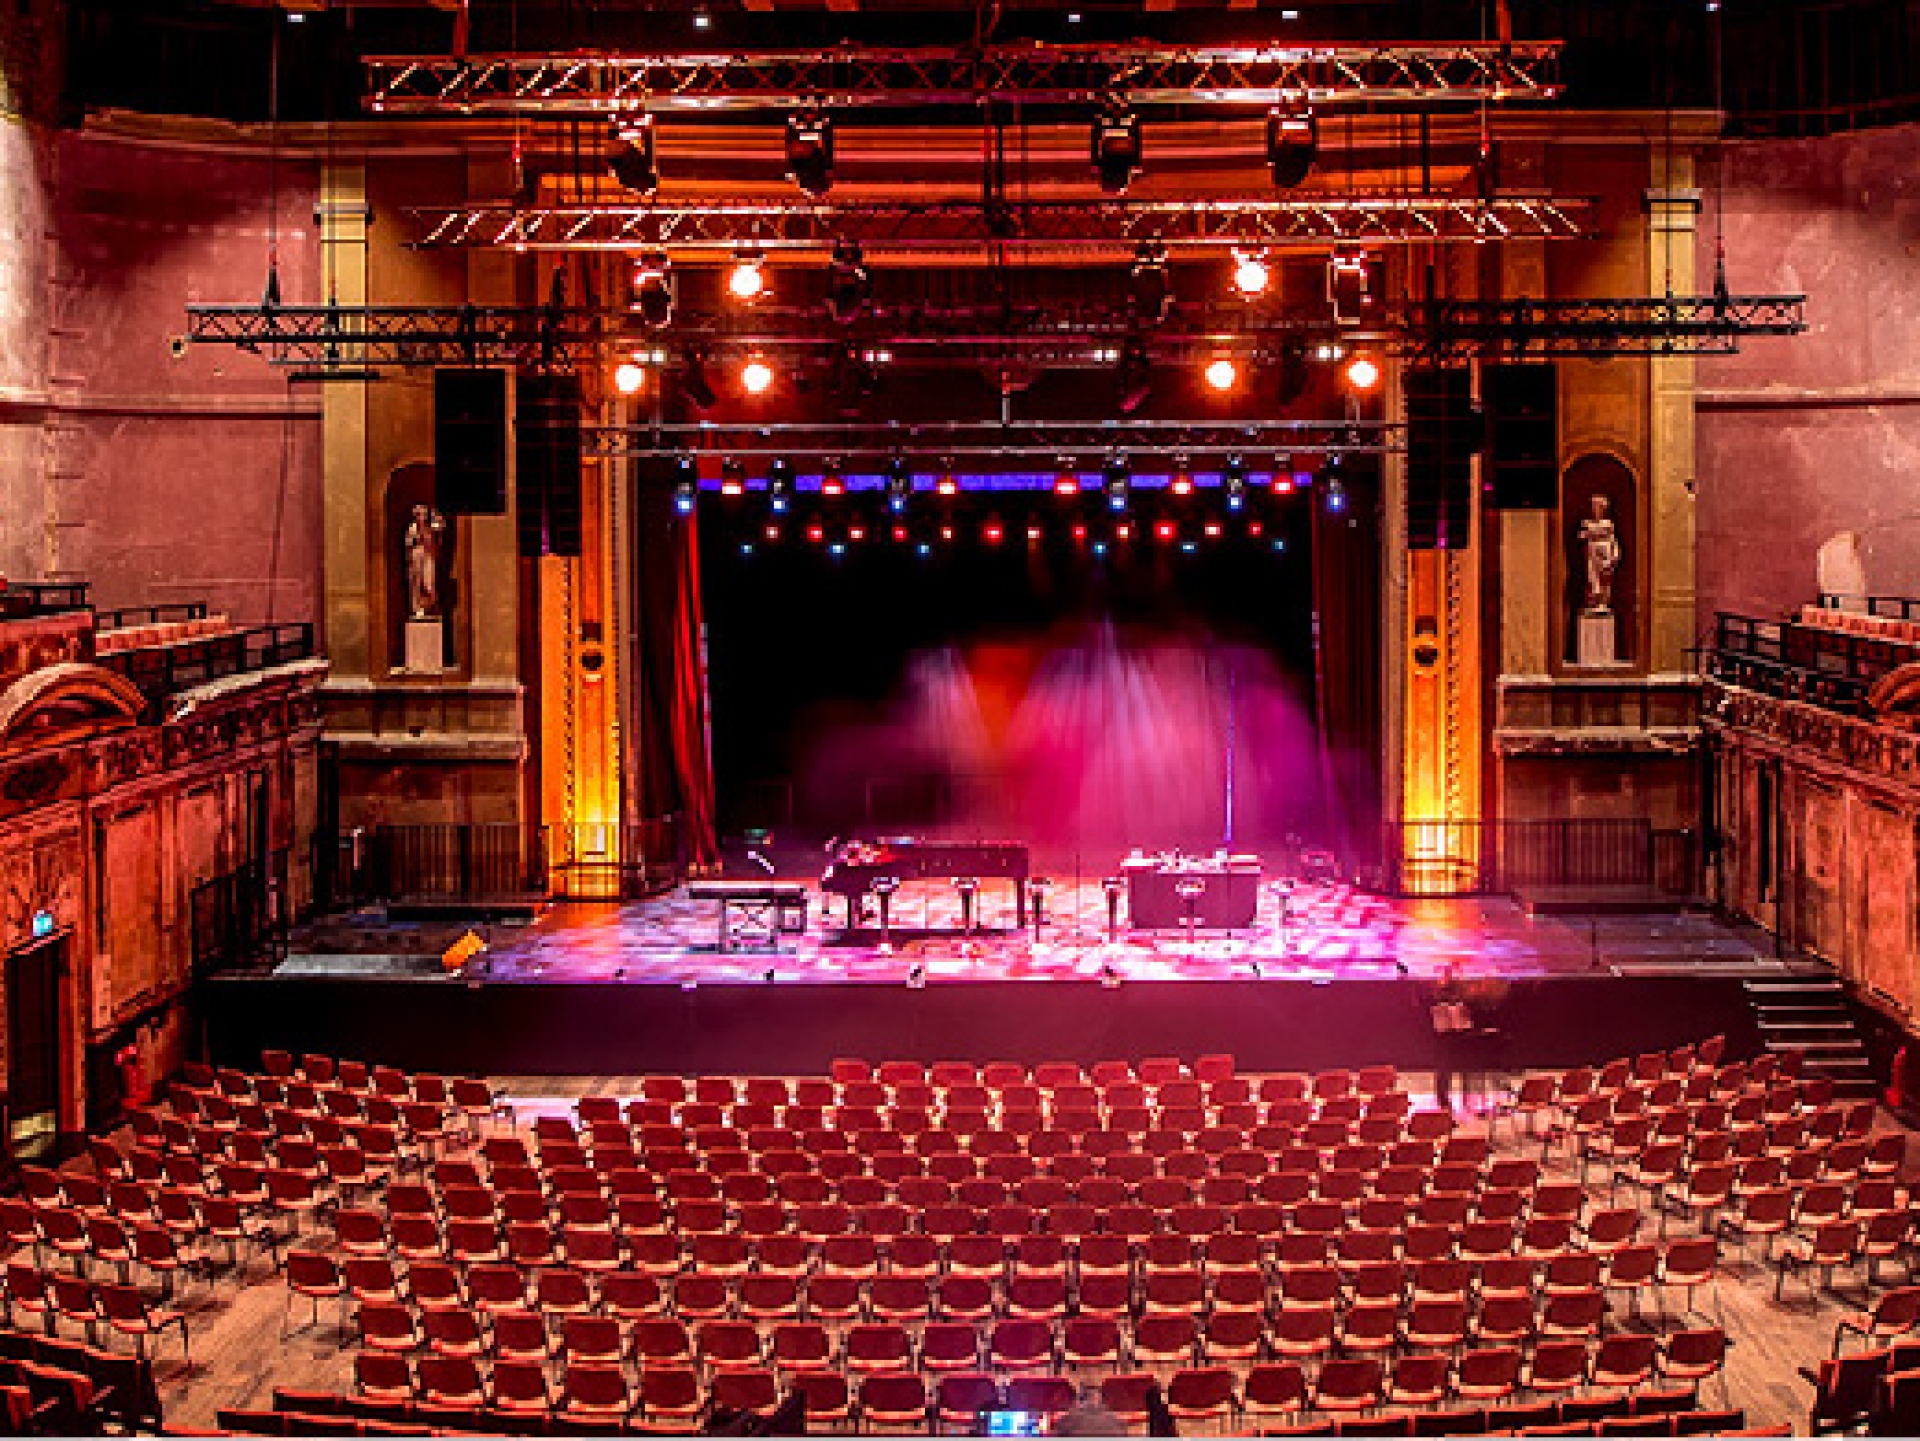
x=1673, y=211
x=346, y=625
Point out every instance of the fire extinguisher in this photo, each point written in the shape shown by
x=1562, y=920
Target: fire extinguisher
x=133, y=1075
x=1897, y=1082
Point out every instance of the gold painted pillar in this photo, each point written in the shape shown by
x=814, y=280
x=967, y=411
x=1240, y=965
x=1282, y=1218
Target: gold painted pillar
x=343, y=433
x=1673, y=210
x=493, y=566
x=1439, y=642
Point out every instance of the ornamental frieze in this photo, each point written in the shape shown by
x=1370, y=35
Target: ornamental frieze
x=1843, y=740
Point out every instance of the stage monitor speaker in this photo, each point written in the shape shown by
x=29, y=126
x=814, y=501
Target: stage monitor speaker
x=547, y=449
x=1443, y=432
x=470, y=442
x=1523, y=435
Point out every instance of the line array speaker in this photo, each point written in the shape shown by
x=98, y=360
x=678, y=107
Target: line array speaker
x=1523, y=435
x=547, y=449
x=1444, y=430
x=470, y=442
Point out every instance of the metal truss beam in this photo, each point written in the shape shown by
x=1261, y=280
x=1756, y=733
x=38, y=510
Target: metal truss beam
x=1045, y=442
x=351, y=341
x=1315, y=220
x=1653, y=325
x=605, y=84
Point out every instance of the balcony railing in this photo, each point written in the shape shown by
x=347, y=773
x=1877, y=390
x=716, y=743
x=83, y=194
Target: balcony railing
x=131, y=615
x=164, y=670
x=20, y=600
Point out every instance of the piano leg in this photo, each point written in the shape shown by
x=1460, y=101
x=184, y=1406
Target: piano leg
x=1020, y=903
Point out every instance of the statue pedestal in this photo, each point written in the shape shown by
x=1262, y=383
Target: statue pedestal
x=426, y=651
x=1594, y=645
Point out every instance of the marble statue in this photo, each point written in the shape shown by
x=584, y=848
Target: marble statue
x=1598, y=535
x=423, y=562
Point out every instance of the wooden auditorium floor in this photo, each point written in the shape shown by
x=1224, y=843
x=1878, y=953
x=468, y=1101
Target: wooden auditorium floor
x=1330, y=932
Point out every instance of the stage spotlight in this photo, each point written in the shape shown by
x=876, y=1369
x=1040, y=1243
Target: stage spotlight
x=1066, y=481
x=849, y=285
x=993, y=532
x=733, y=476
x=832, y=482
x=633, y=162
x=1116, y=147
x=629, y=377
x=810, y=152
x=695, y=384
x=756, y=376
x=684, y=493
x=1251, y=273
x=1222, y=373
x=1149, y=287
x=779, y=485
x=652, y=291
x=747, y=281
x=948, y=484
x=1292, y=142
x=1336, y=494
x=1363, y=374
x=1233, y=480
x=1135, y=375
x=1348, y=287
x=1180, y=483
x=1117, y=480
x=899, y=480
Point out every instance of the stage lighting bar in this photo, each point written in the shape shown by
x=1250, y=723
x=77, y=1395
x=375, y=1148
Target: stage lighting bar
x=354, y=341
x=1077, y=227
x=857, y=77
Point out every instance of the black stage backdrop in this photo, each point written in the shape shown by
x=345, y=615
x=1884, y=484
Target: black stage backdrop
x=1041, y=690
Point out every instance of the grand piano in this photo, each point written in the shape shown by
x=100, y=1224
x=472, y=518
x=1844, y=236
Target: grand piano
x=858, y=865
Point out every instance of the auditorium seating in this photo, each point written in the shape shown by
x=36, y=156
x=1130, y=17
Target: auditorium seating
x=899, y=1242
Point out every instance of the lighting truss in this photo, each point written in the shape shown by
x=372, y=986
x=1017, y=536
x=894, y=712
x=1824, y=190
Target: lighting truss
x=1071, y=225
x=1653, y=325
x=336, y=341
x=866, y=445
x=847, y=77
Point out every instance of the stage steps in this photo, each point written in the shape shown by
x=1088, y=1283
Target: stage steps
x=1810, y=1013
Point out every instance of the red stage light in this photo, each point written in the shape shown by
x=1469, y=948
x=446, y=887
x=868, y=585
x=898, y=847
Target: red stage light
x=1283, y=485
x=1033, y=532
x=946, y=532
x=756, y=376
x=1067, y=486
x=947, y=485
x=1079, y=532
x=1362, y=374
x=832, y=484
x=899, y=532
x=994, y=533
x=1222, y=373
x=773, y=532
x=1255, y=528
x=816, y=533
x=1123, y=532
x=858, y=532
x=1181, y=484
x=1213, y=530
x=1251, y=273
x=1164, y=530
x=629, y=378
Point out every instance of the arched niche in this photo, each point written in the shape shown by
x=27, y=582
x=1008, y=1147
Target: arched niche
x=1598, y=473
x=66, y=702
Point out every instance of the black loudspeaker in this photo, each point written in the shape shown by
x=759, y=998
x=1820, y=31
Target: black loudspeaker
x=1444, y=430
x=470, y=442
x=1523, y=436
x=547, y=449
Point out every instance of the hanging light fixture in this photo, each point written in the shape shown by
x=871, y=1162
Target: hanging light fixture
x=810, y=151
x=634, y=161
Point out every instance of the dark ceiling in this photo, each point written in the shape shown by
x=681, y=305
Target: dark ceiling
x=1779, y=68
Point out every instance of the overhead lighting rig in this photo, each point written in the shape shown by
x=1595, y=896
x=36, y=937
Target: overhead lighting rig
x=1072, y=227
x=860, y=77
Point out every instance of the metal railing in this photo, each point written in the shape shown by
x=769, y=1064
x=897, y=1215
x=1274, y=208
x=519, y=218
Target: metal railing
x=162, y=670
x=242, y=917
x=1885, y=607
x=21, y=599
x=1460, y=858
x=123, y=617
x=497, y=861
x=1811, y=663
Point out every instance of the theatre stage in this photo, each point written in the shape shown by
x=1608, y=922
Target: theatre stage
x=644, y=986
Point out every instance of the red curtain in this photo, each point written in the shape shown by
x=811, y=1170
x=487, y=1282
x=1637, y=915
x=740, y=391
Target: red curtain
x=691, y=733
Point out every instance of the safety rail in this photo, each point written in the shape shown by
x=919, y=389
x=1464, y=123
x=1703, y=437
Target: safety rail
x=161, y=670
x=22, y=599
x=1497, y=857
x=1830, y=668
